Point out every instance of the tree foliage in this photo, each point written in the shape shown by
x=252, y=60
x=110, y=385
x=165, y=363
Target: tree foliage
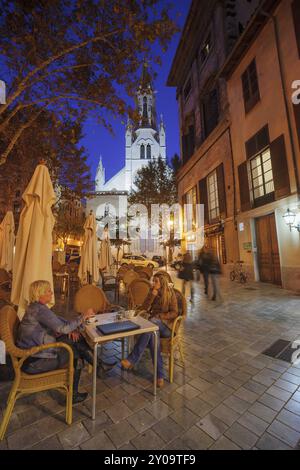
x=58, y=143
x=72, y=58
x=67, y=224
x=155, y=183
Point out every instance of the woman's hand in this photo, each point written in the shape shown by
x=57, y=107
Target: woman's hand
x=74, y=336
x=88, y=314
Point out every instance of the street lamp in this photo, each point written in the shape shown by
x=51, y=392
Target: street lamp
x=289, y=218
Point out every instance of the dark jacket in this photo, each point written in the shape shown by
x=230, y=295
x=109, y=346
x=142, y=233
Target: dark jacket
x=186, y=272
x=42, y=326
x=205, y=262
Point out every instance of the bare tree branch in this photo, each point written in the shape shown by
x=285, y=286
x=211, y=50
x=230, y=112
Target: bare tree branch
x=16, y=137
x=45, y=64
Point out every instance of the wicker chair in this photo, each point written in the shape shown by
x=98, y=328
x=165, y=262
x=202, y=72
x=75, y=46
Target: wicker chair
x=146, y=273
x=90, y=296
x=166, y=274
x=137, y=292
x=149, y=271
x=5, y=279
x=129, y=276
x=169, y=345
x=25, y=383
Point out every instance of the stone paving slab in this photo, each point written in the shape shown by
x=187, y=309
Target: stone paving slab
x=227, y=395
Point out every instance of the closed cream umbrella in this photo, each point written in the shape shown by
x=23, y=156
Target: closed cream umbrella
x=7, y=241
x=33, y=257
x=105, y=255
x=89, y=265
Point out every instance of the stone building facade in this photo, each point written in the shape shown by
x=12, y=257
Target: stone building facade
x=240, y=132
x=265, y=128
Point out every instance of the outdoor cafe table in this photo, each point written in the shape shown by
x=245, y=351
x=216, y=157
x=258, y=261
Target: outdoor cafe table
x=95, y=338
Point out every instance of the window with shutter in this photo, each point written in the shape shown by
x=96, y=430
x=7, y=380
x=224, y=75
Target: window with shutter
x=203, y=198
x=210, y=109
x=280, y=168
x=213, y=197
x=221, y=190
x=258, y=142
x=190, y=201
x=250, y=86
x=261, y=182
x=296, y=18
x=188, y=139
x=297, y=120
x=244, y=187
x=142, y=151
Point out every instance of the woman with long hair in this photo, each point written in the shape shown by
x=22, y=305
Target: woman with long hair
x=161, y=307
x=42, y=326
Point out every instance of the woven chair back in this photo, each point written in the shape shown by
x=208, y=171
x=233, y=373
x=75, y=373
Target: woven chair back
x=90, y=296
x=137, y=292
x=129, y=276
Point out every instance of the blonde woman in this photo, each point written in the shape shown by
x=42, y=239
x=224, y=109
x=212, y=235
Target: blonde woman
x=161, y=305
x=42, y=326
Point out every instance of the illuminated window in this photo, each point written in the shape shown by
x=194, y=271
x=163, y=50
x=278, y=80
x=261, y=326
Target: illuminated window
x=262, y=182
x=213, y=197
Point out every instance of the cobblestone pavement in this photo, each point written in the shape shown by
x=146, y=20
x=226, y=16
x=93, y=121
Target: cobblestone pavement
x=226, y=396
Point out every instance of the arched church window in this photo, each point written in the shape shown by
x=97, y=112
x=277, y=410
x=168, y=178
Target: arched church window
x=142, y=151
x=145, y=114
x=148, y=151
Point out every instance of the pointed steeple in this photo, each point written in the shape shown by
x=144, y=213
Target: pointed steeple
x=146, y=100
x=100, y=176
x=162, y=138
x=146, y=80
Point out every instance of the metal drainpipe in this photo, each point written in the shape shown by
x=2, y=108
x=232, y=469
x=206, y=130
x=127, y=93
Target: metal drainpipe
x=282, y=79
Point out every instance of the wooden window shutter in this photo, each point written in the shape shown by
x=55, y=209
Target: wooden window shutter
x=204, y=198
x=280, y=168
x=297, y=120
x=258, y=142
x=221, y=190
x=244, y=187
x=296, y=17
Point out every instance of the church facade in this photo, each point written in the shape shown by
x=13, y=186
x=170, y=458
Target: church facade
x=144, y=140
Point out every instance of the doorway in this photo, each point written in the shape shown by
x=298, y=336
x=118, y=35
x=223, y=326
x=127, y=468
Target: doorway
x=267, y=250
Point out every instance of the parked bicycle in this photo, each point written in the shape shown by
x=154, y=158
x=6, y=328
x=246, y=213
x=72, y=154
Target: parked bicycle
x=238, y=272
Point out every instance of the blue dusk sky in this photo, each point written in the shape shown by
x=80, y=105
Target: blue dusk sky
x=99, y=141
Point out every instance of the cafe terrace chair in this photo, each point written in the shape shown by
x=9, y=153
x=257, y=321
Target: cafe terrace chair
x=138, y=290
x=170, y=345
x=166, y=274
x=32, y=383
x=90, y=296
x=146, y=273
x=129, y=276
x=5, y=279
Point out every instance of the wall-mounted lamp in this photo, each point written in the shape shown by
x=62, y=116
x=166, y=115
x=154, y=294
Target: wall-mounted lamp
x=289, y=218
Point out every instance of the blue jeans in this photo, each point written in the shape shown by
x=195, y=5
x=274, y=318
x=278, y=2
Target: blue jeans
x=147, y=339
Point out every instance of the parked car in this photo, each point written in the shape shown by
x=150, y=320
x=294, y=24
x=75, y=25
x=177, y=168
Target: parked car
x=138, y=260
x=159, y=259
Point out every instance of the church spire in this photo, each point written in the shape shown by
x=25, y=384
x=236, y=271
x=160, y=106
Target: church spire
x=100, y=176
x=146, y=100
x=146, y=81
